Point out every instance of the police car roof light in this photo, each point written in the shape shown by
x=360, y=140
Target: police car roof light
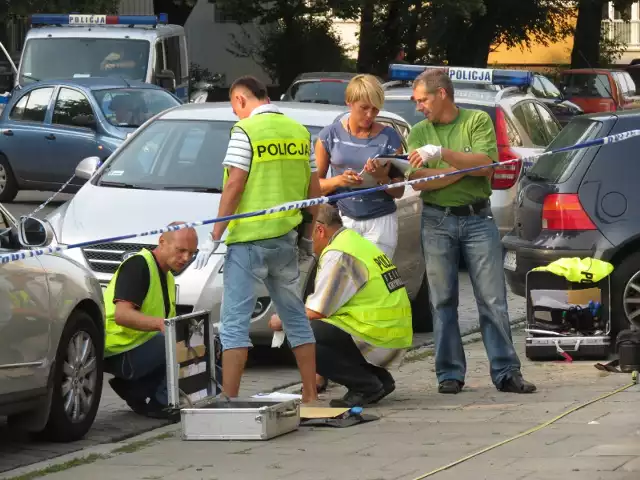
x=93, y=20
x=487, y=76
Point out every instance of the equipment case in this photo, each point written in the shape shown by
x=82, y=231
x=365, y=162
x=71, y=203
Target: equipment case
x=578, y=346
x=194, y=379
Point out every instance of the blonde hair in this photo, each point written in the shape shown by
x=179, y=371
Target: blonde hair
x=365, y=88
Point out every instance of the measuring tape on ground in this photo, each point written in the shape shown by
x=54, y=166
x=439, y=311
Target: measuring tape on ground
x=297, y=205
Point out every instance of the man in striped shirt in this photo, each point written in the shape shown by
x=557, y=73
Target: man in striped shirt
x=268, y=163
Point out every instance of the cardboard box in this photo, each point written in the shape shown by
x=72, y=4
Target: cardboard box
x=584, y=296
x=184, y=354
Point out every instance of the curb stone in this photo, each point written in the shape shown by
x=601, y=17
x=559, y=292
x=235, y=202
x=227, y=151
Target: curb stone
x=40, y=469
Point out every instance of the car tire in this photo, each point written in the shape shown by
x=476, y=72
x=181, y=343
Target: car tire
x=79, y=333
x=623, y=273
x=10, y=189
x=421, y=309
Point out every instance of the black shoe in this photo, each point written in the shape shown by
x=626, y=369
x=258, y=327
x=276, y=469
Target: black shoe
x=155, y=409
x=138, y=405
x=388, y=389
x=516, y=384
x=357, y=399
x=450, y=386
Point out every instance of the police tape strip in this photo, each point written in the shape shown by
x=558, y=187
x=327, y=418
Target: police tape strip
x=23, y=254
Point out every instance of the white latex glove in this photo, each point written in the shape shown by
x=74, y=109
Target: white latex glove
x=306, y=245
x=205, y=252
x=430, y=152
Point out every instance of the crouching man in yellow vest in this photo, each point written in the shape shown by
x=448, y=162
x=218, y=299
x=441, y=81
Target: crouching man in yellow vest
x=360, y=312
x=140, y=296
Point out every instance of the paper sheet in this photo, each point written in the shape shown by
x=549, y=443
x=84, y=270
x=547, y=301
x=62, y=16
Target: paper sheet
x=278, y=396
x=321, y=412
x=278, y=339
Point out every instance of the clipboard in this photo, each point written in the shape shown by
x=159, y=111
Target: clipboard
x=399, y=166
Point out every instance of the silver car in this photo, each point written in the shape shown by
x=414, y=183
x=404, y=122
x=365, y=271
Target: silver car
x=51, y=336
x=524, y=126
x=171, y=170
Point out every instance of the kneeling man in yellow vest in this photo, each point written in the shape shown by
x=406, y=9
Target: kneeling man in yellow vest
x=360, y=312
x=140, y=296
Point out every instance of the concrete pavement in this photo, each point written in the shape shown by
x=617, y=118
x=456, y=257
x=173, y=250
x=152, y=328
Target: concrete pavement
x=418, y=431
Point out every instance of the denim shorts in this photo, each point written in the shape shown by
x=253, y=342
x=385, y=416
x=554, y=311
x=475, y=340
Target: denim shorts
x=273, y=263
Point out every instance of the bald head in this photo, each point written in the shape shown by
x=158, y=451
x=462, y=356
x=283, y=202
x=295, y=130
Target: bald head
x=177, y=248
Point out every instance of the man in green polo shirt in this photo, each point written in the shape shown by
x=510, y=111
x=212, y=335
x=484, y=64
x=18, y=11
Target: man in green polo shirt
x=457, y=220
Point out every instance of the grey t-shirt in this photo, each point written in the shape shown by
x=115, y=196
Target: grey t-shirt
x=348, y=152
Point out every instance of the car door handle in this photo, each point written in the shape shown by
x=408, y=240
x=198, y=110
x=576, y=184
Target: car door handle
x=8, y=133
x=51, y=136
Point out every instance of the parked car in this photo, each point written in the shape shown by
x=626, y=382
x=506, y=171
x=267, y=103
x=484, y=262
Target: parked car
x=599, y=90
x=545, y=91
x=48, y=127
x=524, y=126
x=319, y=87
x=583, y=203
x=171, y=170
x=51, y=336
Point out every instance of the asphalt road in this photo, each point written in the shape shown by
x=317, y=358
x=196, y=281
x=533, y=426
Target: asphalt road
x=116, y=422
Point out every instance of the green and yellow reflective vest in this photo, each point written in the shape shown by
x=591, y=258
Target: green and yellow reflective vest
x=119, y=339
x=280, y=173
x=380, y=312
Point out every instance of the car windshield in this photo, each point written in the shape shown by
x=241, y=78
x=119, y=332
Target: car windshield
x=131, y=107
x=329, y=92
x=83, y=57
x=586, y=85
x=557, y=167
x=182, y=155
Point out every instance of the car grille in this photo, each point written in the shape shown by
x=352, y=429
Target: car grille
x=107, y=257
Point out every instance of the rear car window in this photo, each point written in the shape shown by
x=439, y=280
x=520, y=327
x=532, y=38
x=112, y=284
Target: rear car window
x=586, y=85
x=329, y=92
x=558, y=167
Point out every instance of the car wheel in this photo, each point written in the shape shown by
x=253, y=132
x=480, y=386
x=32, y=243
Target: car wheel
x=625, y=294
x=77, y=380
x=8, y=184
x=421, y=309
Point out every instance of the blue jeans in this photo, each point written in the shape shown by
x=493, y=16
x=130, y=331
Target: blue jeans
x=144, y=369
x=274, y=263
x=444, y=237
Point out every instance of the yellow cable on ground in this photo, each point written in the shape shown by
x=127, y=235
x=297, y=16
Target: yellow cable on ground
x=533, y=430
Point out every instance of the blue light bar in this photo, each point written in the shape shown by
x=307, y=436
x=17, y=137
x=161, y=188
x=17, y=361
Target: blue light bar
x=485, y=76
x=93, y=20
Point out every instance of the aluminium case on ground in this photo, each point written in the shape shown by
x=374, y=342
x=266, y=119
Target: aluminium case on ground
x=579, y=347
x=194, y=385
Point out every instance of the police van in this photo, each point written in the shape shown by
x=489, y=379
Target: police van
x=137, y=47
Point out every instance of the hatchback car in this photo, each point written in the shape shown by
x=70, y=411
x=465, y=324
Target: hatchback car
x=583, y=203
x=51, y=336
x=171, y=170
x=524, y=126
x=48, y=127
x=544, y=90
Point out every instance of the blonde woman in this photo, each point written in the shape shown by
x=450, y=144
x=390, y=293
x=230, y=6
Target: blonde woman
x=347, y=147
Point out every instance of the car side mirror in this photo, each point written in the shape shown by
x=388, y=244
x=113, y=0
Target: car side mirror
x=87, y=167
x=34, y=232
x=167, y=80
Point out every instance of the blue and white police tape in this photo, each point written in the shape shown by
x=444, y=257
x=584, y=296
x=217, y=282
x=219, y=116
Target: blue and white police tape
x=23, y=254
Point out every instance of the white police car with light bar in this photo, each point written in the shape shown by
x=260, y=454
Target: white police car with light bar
x=138, y=47
x=499, y=92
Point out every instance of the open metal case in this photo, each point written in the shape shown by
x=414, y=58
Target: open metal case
x=194, y=385
x=579, y=346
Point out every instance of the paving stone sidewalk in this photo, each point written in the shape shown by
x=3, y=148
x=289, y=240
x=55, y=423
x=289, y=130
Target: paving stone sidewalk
x=115, y=421
x=420, y=430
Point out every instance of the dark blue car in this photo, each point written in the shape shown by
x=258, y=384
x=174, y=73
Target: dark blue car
x=47, y=128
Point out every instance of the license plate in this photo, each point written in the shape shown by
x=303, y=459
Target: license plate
x=510, y=261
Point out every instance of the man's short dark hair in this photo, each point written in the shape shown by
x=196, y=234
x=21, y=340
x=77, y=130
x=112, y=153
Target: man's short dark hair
x=329, y=215
x=252, y=84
